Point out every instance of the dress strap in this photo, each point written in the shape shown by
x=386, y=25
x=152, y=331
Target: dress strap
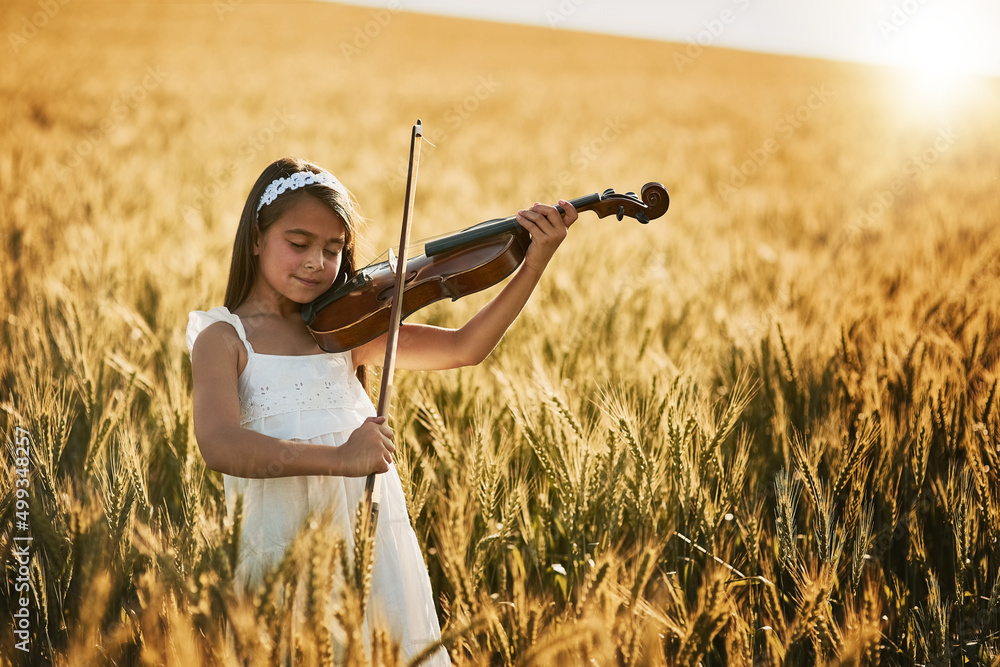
x=199, y=320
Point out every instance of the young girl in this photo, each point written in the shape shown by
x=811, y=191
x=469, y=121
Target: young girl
x=290, y=427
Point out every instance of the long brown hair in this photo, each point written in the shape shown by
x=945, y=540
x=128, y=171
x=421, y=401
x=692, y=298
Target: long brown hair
x=245, y=264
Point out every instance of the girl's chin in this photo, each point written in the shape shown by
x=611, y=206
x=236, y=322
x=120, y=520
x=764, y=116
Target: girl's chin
x=303, y=298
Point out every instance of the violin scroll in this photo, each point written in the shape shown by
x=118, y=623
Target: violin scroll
x=653, y=204
x=657, y=201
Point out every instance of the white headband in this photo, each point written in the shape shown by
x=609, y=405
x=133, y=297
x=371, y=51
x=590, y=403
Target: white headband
x=294, y=182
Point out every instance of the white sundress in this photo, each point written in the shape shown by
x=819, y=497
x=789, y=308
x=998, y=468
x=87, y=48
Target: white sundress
x=317, y=399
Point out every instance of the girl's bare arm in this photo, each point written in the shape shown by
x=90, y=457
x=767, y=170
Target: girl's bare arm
x=231, y=449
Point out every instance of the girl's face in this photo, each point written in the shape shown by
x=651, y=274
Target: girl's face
x=300, y=253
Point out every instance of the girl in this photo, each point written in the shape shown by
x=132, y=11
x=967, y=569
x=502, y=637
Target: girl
x=290, y=427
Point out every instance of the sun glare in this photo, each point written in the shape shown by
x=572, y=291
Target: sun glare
x=935, y=92
x=942, y=52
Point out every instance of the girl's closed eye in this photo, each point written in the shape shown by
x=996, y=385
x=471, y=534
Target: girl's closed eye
x=303, y=246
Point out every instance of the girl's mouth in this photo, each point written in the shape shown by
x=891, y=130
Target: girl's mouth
x=307, y=283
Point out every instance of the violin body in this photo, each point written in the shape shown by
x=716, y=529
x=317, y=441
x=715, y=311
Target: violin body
x=469, y=261
x=358, y=311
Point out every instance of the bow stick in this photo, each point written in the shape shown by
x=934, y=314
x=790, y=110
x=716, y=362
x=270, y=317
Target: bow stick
x=373, y=485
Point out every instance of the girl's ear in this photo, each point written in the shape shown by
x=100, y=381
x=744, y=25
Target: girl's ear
x=255, y=240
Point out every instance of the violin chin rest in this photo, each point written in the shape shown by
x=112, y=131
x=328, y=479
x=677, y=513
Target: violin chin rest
x=340, y=288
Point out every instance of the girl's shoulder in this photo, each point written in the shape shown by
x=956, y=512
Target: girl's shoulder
x=201, y=320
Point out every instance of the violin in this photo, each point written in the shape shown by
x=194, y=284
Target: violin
x=356, y=310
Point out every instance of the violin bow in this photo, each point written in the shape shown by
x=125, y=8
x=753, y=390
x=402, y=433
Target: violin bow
x=373, y=485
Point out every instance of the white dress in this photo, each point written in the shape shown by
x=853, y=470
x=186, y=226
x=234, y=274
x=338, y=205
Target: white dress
x=317, y=399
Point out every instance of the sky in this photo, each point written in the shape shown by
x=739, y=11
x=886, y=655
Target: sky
x=940, y=36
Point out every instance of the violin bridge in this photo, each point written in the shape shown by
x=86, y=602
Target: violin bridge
x=392, y=261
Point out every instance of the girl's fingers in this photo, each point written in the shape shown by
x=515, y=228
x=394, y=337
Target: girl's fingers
x=548, y=229
x=571, y=214
x=545, y=220
x=382, y=427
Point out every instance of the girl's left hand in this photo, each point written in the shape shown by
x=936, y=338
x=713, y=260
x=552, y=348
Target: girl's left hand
x=547, y=228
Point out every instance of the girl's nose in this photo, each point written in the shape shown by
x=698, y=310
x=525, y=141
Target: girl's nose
x=315, y=260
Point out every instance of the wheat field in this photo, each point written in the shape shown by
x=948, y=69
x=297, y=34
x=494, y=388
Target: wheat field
x=760, y=430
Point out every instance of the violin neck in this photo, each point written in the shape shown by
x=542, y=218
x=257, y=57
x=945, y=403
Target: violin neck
x=490, y=228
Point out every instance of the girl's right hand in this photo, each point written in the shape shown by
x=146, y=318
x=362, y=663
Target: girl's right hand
x=368, y=449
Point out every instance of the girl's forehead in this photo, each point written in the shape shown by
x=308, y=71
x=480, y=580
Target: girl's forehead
x=308, y=214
